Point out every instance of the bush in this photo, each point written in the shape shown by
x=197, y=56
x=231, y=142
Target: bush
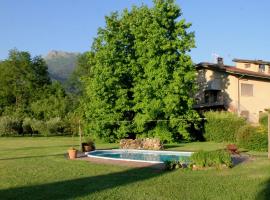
x=172, y=164
x=26, y=125
x=67, y=128
x=264, y=119
x=222, y=126
x=54, y=126
x=71, y=124
x=10, y=126
x=211, y=158
x=39, y=127
x=253, y=138
x=91, y=142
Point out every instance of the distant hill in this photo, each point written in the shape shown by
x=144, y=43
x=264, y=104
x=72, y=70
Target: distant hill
x=60, y=64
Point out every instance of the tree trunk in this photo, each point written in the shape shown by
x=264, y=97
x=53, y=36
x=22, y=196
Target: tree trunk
x=80, y=134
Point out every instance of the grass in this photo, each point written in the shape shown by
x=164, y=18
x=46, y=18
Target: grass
x=196, y=146
x=36, y=168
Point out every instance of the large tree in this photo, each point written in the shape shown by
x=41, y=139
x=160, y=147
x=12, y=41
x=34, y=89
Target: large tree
x=141, y=80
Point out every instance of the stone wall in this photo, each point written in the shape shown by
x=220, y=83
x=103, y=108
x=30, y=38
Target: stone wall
x=147, y=143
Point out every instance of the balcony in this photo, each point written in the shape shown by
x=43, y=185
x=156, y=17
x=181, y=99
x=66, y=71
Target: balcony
x=209, y=105
x=211, y=99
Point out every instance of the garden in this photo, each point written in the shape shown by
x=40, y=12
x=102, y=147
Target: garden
x=138, y=81
x=38, y=168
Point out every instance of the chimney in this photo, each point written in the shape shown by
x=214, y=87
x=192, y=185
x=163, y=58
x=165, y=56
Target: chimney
x=220, y=61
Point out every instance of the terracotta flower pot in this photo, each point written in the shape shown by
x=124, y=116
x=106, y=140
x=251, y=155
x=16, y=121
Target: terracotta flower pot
x=72, y=153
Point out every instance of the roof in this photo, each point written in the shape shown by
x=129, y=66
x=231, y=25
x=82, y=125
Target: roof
x=251, y=61
x=233, y=70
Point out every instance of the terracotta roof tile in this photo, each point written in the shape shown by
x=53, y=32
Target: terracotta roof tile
x=233, y=70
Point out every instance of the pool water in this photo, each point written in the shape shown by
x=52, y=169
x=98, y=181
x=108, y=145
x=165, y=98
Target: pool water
x=141, y=155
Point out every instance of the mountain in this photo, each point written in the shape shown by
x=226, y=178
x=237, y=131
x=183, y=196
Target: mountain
x=61, y=64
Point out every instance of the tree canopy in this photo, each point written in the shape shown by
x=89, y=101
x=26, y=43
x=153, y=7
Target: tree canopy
x=21, y=78
x=141, y=80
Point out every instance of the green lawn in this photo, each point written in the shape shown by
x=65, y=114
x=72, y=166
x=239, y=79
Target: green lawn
x=36, y=168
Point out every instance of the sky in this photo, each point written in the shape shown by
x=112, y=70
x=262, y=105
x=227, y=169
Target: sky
x=228, y=28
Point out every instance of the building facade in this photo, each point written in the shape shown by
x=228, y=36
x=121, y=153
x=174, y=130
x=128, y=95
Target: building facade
x=243, y=88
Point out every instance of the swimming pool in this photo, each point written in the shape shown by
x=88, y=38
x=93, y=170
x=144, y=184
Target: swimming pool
x=140, y=155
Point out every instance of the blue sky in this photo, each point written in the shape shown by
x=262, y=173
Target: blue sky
x=231, y=28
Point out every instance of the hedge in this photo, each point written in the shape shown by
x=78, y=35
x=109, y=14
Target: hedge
x=11, y=126
x=222, y=126
x=253, y=138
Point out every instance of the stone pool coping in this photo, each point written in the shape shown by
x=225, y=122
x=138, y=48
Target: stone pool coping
x=125, y=163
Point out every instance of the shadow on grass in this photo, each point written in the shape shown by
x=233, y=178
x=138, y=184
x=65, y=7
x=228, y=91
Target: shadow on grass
x=265, y=193
x=80, y=187
x=25, y=157
x=33, y=148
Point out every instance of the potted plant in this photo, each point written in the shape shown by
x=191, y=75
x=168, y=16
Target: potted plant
x=89, y=145
x=72, y=152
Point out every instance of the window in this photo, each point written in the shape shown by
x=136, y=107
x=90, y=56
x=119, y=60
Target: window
x=246, y=89
x=261, y=68
x=247, y=65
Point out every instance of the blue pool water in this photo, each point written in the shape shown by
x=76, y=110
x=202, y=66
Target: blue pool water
x=140, y=155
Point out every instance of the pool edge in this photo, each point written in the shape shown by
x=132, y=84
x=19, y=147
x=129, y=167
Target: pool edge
x=134, y=150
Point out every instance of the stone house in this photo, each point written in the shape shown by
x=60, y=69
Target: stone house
x=243, y=88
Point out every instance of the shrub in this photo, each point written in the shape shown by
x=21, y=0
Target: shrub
x=10, y=126
x=67, y=128
x=222, y=126
x=173, y=164
x=211, y=158
x=39, y=127
x=264, y=119
x=54, y=126
x=26, y=125
x=90, y=141
x=253, y=138
x=88, y=145
x=199, y=158
x=71, y=124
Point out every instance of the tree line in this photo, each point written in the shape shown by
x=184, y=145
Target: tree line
x=30, y=103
